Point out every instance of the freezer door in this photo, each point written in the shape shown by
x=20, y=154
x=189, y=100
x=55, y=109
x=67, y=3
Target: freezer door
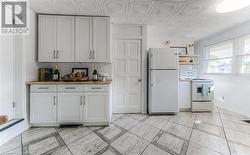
x=163, y=91
x=163, y=58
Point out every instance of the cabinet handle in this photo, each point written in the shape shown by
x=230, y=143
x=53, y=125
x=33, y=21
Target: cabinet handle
x=93, y=54
x=57, y=54
x=96, y=88
x=84, y=99
x=70, y=88
x=43, y=88
x=90, y=54
x=81, y=99
x=54, y=54
x=54, y=100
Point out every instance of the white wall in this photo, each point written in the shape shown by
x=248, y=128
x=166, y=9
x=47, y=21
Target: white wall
x=158, y=34
x=234, y=88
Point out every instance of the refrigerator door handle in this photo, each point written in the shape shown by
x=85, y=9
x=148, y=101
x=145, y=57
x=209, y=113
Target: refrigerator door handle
x=151, y=62
x=152, y=79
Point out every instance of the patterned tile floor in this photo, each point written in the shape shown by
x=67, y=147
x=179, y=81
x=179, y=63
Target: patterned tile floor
x=216, y=133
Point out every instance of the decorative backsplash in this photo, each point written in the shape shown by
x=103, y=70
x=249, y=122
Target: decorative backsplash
x=66, y=68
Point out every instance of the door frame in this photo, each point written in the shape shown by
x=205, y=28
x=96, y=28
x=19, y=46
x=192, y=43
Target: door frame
x=136, y=32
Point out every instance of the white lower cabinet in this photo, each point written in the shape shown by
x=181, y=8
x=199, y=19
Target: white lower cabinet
x=43, y=108
x=96, y=108
x=70, y=108
x=69, y=104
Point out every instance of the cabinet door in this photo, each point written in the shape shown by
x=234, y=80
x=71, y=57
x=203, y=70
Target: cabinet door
x=96, y=107
x=101, y=39
x=43, y=108
x=83, y=39
x=70, y=107
x=46, y=38
x=65, y=38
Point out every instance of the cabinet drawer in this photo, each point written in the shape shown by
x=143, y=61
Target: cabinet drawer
x=96, y=88
x=43, y=88
x=70, y=88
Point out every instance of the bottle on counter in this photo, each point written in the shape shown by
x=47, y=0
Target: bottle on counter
x=56, y=74
x=95, y=75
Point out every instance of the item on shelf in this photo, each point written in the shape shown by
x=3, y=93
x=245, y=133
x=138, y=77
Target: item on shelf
x=103, y=76
x=95, y=75
x=187, y=59
x=45, y=74
x=56, y=74
x=74, y=77
x=182, y=49
x=84, y=71
x=69, y=77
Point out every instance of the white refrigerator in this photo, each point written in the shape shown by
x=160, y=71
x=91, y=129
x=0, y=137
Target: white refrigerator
x=163, y=81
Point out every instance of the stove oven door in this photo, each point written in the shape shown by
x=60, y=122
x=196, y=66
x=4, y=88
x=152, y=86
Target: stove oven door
x=202, y=92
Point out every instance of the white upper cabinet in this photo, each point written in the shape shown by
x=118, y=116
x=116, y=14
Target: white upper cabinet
x=56, y=38
x=47, y=38
x=83, y=39
x=101, y=39
x=73, y=39
x=65, y=38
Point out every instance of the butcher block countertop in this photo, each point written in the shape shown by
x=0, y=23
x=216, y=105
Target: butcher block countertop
x=69, y=83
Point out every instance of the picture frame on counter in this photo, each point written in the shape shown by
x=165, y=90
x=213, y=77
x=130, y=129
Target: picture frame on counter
x=83, y=71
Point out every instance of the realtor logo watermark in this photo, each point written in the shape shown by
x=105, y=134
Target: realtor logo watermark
x=14, y=17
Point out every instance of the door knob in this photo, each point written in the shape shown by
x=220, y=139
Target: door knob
x=139, y=80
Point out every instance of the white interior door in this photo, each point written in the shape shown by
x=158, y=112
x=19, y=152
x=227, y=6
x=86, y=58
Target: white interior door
x=7, y=75
x=127, y=76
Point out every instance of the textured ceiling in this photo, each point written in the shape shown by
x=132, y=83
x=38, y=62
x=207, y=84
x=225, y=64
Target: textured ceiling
x=177, y=20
